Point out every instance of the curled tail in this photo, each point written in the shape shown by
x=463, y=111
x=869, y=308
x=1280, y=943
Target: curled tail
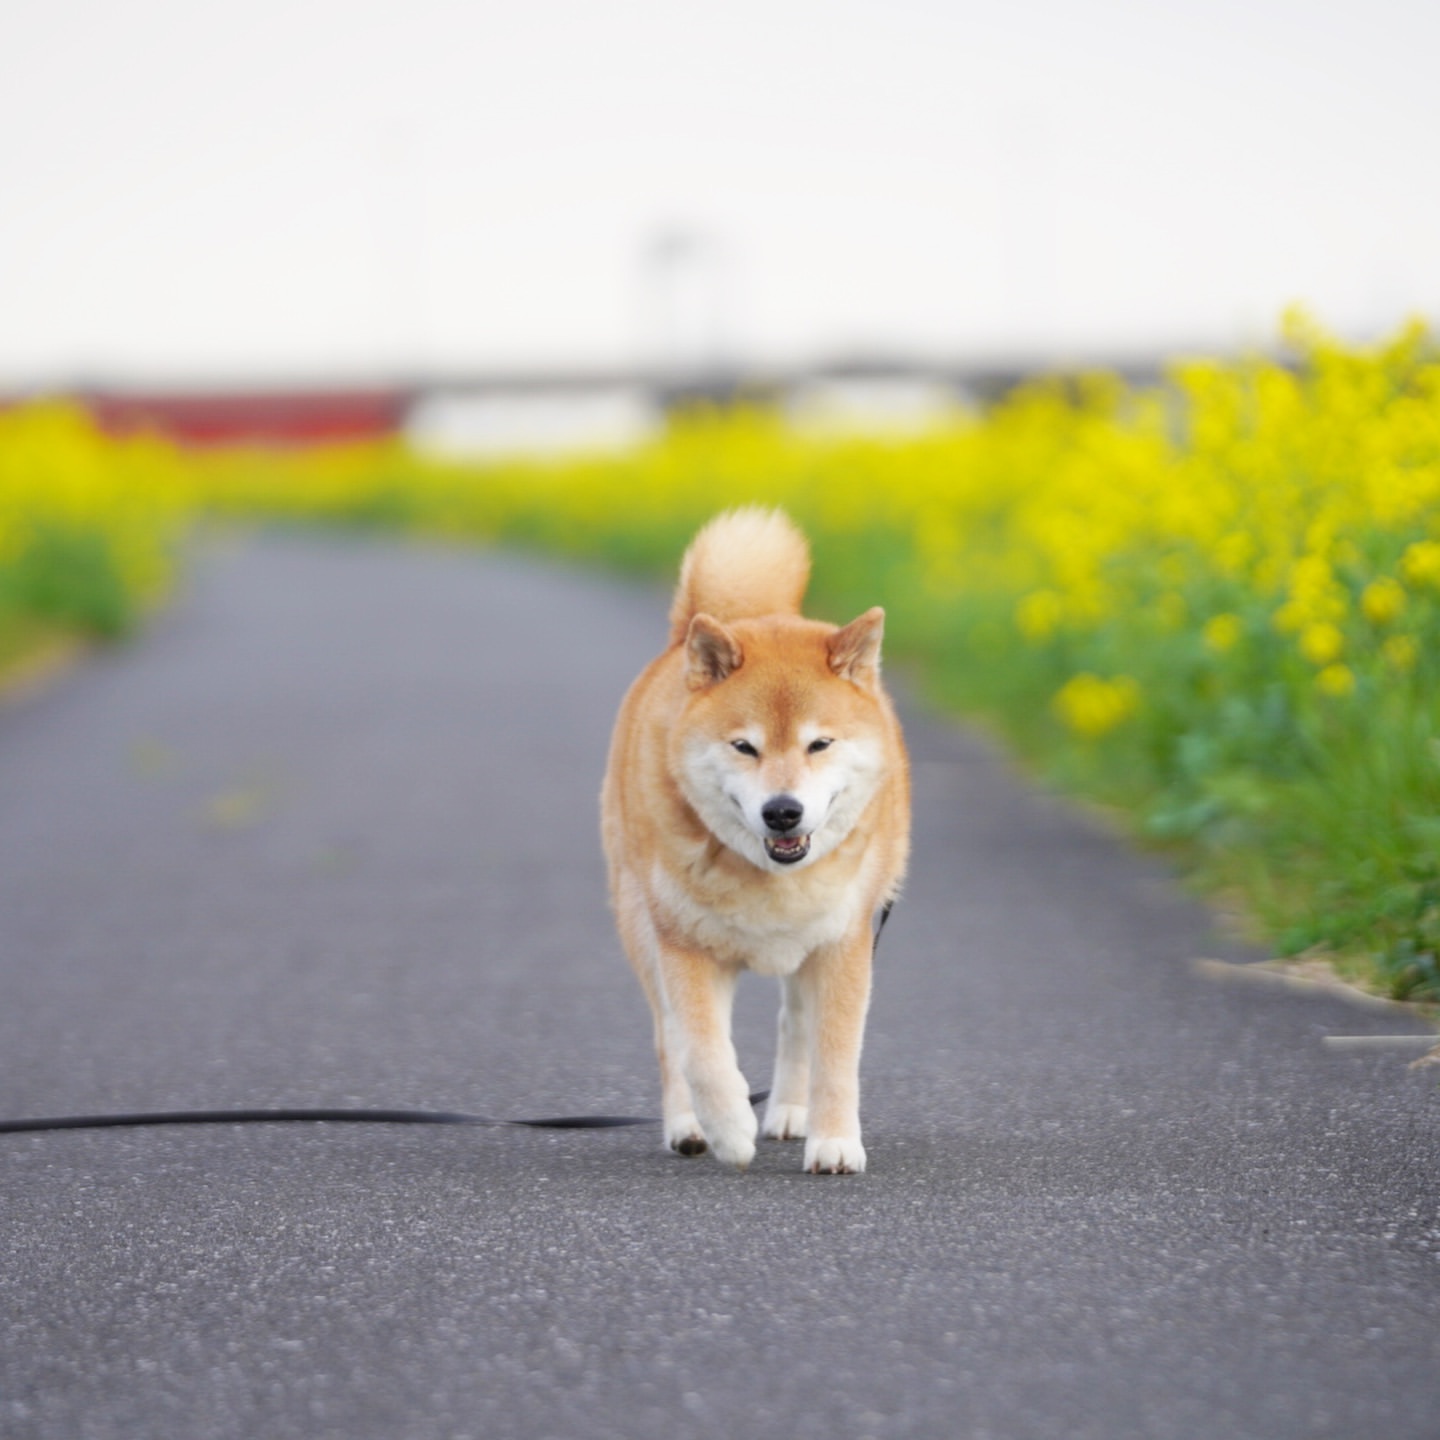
x=743, y=563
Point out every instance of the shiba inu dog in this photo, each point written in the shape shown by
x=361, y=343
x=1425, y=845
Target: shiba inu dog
x=756, y=815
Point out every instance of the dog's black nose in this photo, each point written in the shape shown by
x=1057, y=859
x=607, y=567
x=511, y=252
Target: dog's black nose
x=782, y=814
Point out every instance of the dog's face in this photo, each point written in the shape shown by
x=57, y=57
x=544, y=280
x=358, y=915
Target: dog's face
x=781, y=746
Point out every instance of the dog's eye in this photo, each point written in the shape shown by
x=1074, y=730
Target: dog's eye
x=746, y=748
x=816, y=746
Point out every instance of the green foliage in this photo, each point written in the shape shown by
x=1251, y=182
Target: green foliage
x=68, y=575
x=87, y=528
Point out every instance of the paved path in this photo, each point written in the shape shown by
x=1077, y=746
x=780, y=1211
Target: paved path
x=327, y=836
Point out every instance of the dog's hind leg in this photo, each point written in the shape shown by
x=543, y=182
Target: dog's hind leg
x=785, y=1115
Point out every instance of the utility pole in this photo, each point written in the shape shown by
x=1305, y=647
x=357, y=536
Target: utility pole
x=685, y=284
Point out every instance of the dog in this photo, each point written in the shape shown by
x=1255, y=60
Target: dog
x=755, y=815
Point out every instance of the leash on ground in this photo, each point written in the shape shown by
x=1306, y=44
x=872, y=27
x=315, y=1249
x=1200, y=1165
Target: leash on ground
x=324, y=1116
x=328, y=1117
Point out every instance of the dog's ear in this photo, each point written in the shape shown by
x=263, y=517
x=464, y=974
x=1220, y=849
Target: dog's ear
x=711, y=653
x=855, y=649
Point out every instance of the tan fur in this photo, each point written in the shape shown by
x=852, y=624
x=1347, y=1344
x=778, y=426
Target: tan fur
x=698, y=893
x=745, y=562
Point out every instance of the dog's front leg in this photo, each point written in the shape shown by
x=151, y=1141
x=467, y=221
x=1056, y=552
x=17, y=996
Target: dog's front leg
x=836, y=982
x=699, y=995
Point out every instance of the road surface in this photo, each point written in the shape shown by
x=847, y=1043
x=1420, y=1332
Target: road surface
x=327, y=835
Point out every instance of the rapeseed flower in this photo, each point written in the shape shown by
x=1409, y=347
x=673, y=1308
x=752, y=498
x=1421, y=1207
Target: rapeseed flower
x=1222, y=632
x=88, y=523
x=1093, y=706
x=1421, y=563
x=1336, y=680
x=1382, y=600
x=1321, y=643
x=1038, y=615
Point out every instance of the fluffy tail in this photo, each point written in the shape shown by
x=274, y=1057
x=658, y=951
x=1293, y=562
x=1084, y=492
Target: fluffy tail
x=743, y=563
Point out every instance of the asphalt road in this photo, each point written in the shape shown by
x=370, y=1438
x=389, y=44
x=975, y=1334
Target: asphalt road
x=327, y=836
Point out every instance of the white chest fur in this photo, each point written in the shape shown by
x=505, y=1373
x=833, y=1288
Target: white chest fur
x=770, y=925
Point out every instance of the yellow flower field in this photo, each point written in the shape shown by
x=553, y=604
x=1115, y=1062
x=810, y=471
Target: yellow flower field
x=1214, y=604
x=88, y=527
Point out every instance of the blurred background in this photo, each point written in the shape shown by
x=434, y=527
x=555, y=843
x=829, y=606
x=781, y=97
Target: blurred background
x=551, y=202
x=1195, y=574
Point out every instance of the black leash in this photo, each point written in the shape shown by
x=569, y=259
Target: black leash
x=327, y=1117
x=884, y=915
x=351, y=1117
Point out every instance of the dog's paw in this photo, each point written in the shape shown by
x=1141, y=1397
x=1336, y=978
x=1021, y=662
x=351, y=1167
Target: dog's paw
x=732, y=1139
x=785, y=1122
x=828, y=1155
x=682, y=1135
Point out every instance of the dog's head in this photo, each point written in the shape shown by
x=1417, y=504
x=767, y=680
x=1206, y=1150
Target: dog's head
x=783, y=742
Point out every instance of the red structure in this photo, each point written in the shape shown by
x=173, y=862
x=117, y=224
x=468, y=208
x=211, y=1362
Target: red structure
x=282, y=417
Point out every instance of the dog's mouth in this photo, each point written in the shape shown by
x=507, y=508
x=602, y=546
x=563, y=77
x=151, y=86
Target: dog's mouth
x=787, y=849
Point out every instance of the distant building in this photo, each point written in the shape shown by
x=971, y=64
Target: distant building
x=497, y=422
x=562, y=412
x=279, y=417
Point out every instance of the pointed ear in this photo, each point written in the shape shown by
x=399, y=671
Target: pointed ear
x=855, y=649
x=711, y=653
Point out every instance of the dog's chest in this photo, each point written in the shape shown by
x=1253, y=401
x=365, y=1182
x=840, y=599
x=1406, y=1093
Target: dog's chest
x=770, y=928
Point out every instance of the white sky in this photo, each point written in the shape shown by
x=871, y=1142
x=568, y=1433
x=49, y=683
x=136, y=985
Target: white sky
x=208, y=190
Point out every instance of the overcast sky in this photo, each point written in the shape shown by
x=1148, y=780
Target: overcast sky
x=208, y=190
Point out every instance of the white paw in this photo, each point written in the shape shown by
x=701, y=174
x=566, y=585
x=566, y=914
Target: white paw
x=682, y=1134
x=785, y=1122
x=732, y=1138
x=825, y=1155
